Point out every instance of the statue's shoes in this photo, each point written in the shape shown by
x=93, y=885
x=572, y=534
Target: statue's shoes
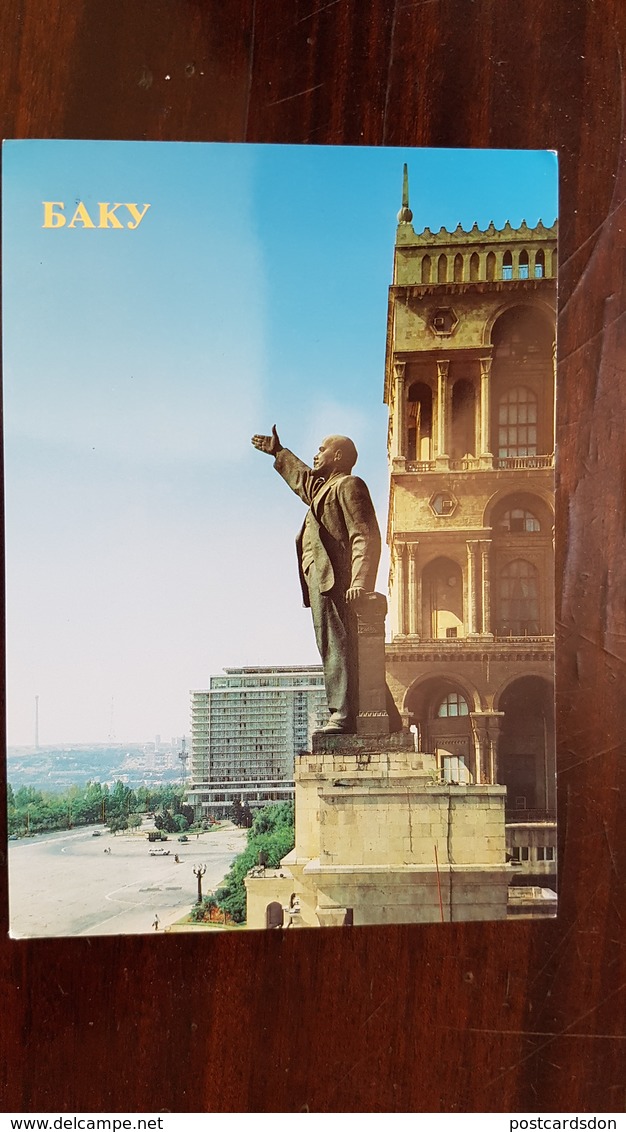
x=333, y=728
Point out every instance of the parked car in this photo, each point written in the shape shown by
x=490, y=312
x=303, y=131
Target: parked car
x=159, y=852
x=183, y=837
x=96, y=833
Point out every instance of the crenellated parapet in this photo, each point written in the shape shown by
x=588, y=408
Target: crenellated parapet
x=407, y=235
x=474, y=257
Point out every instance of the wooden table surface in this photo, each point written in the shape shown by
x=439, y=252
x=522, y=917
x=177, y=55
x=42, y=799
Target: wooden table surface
x=467, y=1017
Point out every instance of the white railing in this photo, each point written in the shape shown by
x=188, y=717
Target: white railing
x=478, y=641
x=420, y=466
x=514, y=463
x=474, y=463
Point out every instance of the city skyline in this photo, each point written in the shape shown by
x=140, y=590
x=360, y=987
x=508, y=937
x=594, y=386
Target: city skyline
x=148, y=545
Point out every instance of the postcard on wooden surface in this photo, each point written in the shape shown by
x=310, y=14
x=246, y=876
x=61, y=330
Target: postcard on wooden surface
x=279, y=463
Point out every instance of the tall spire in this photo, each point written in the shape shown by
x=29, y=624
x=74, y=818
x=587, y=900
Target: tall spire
x=405, y=215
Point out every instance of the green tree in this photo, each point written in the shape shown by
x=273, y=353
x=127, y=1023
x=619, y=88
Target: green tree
x=272, y=833
x=188, y=813
x=117, y=822
x=93, y=802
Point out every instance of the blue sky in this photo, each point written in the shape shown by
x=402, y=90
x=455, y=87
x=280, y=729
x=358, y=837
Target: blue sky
x=148, y=544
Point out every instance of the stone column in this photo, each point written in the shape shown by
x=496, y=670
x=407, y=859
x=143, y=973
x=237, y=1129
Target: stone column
x=414, y=591
x=398, y=436
x=485, y=555
x=443, y=460
x=486, y=728
x=485, y=411
x=494, y=724
x=401, y=587
x=471, y=587
x=372, y=717
x=478, y=738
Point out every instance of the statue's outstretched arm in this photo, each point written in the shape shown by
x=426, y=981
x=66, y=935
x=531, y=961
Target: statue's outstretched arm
x=270, y=444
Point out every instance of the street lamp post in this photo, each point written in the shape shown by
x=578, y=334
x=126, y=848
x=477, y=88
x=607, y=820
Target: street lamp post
x=199, y=871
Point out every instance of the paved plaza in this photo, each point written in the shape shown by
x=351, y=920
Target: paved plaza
x=65, y=884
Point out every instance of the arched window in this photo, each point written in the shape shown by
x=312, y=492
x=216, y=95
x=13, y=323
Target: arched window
x=426, y=269
x=517, y=423
x=474, y=267
x=523, y=265
x=518, y=599
x=458, y=268
x=521, y=335
x=463, y=419
x=442, y=269
x=517, y=521
x=453, y=705
x=540, y=264
x=419, y=421
x=442, y=600
x=440, y=709
x=507, y=266
x=491, y=267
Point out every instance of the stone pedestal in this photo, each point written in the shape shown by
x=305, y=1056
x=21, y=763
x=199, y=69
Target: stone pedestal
x=372, y=716
x=381, y=840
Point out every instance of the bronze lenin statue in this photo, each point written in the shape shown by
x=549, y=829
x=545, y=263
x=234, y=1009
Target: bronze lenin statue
x=338, y=554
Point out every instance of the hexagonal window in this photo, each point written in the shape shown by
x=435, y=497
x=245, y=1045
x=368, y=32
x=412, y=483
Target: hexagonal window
x=443, y=503
x=444, y=322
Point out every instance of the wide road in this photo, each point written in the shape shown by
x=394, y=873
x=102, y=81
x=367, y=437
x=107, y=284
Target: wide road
x=64, y=884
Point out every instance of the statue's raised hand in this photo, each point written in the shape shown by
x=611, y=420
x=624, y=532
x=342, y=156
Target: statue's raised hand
x=270, y=444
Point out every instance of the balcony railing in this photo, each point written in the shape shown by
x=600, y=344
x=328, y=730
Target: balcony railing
x=523, y=817
x=513, y=463
x=478, y=640
x=474, y=463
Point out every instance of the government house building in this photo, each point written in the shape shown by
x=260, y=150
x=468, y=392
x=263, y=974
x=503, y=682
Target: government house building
x=469, y=382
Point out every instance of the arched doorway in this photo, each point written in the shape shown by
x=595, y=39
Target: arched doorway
x=440, y=710
x=442, y=600
x=419, y=421
x=526, y=757
x=463, y=420
x=274, y=915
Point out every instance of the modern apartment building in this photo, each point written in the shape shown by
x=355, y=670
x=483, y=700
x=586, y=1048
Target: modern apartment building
x=246, y=731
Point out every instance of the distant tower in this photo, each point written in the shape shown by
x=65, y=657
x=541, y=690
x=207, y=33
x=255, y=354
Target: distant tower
x=112, y=721
x=183, y=755
x=36, y=723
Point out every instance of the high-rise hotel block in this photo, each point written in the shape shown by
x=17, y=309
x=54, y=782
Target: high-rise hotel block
x=246, y=730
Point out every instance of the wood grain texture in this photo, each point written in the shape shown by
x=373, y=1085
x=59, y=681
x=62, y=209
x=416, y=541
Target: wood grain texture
x=458, y=1018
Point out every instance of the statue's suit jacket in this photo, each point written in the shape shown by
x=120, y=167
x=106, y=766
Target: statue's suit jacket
x=344, y=534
